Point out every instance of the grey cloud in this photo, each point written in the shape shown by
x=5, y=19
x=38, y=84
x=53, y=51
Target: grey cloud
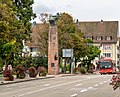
x=42, y=8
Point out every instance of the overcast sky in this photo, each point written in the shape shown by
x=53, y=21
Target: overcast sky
x=84, y=10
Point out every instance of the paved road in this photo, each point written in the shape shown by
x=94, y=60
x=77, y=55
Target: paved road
x=69, y=86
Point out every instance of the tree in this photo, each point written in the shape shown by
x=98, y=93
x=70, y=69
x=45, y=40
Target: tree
x=92, y=52
x=7, y=28
x=70, y=36
x=24, y=13
x=40, y=38
x=65, y=27
x=79, y=46
x=15, y=25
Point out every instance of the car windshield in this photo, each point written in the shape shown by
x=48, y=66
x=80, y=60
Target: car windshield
x=105, y=64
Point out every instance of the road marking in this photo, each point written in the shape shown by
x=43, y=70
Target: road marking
x=101, y=83
x=96, y=85
x=74, y=95
x=50, y=87
x=46, y=84
x=90, y=87
x=28, y=93
x=84, y=90
x=78, y=85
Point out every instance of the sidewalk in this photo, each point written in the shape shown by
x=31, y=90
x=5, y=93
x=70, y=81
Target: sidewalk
x=3, y=82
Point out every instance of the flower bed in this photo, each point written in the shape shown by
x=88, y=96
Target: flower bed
x=32, y=72
x=42, y=71
x=20, y=72
x=8, y=75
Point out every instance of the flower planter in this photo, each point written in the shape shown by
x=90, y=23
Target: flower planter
x=32, y=72
x=8, y=78
x=21, y=75
x=42, y=74
x=32, y=75
x=8, y=75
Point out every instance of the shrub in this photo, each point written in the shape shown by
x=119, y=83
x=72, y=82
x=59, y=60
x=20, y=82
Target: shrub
x=90, y=71
x=20, y=72
x=76, y=70
x=42, y=71
x=82, y=70
x=8, y=75
x=32, y=72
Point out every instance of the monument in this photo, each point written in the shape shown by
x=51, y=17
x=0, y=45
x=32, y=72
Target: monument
x=53, y=67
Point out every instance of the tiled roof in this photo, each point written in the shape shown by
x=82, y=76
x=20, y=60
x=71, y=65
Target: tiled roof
x=100, y=28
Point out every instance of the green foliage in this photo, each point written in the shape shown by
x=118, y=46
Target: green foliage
x=40, y=61
x=65, y=24
x=82, y=70
x=42, y=71
x=93, y=51
x=15, y=26
x=65, y=27
x=20, y=72
x=70, y=36
x=24, y=13
x=32, y=72
x=67, y=67
x=76, y=70
x=80, y=49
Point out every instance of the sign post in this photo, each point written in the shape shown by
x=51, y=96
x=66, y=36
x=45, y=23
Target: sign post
x=68, y=53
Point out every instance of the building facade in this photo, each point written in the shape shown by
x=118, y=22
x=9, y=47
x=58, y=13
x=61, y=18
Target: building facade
x=104, y=35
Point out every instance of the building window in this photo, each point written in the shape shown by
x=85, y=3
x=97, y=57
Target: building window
x=108, y=38
x=108, y=55
x=33, y=49
x=107, y=47
x=99, y=38
x=118, y=56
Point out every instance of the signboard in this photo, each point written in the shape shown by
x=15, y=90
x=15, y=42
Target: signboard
x=67, y=53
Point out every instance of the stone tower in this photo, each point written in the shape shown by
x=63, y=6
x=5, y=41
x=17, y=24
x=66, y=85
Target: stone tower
x=53, y=51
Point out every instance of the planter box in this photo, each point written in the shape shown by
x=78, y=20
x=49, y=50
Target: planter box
x=8, y=79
